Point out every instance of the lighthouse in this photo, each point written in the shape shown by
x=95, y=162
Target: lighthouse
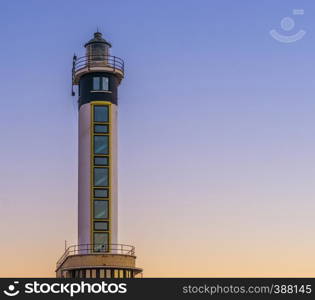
x=98, y=253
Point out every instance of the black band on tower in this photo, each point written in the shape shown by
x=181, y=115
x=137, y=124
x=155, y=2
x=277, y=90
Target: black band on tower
x=89, y=92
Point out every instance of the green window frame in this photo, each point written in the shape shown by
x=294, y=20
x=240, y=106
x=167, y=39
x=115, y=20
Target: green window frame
x=101, y=160
x=101, y=193
x=101, y=144
x=101, y=241
x=101, y=176
x=101, y=113
x=101, y=225
x=101, y=209
x=101, y=128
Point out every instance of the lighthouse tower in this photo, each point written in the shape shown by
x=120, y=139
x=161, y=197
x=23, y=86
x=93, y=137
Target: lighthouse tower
x=98, y=253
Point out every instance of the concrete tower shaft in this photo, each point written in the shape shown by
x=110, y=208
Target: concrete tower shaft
x=98, y=75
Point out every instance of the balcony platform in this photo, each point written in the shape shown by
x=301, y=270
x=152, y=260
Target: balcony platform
x=97, y=63
x=82, y=261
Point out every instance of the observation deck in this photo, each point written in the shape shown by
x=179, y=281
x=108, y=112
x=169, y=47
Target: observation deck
x=98, y=261
x=97, y=63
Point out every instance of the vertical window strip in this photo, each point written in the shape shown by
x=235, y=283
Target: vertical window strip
x=97, y=184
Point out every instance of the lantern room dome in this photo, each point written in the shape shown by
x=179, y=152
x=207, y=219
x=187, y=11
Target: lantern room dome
x=97, y=39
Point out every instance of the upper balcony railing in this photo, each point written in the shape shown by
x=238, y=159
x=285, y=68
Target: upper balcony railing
x=95, y=249
x=97, y=62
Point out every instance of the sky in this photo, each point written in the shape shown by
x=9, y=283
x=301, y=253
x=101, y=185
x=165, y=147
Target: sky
x=216, y=134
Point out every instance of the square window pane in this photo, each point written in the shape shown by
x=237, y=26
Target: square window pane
x=96, y=83
x=101, y=113
x=101, y=177
x=101, y=161
x=101, y=242
x=101, y=226
x=101, y=144
x=101, y=128
x=100, y=209
x=101, y=193
x=105, y=84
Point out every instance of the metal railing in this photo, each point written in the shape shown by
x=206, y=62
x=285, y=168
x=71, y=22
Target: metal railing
x=86, y=249
x=97, y=61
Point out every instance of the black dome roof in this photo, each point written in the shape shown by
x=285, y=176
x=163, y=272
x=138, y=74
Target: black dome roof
x=97, y=39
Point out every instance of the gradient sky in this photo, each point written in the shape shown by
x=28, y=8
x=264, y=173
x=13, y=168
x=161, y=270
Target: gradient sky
x=216, y=135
